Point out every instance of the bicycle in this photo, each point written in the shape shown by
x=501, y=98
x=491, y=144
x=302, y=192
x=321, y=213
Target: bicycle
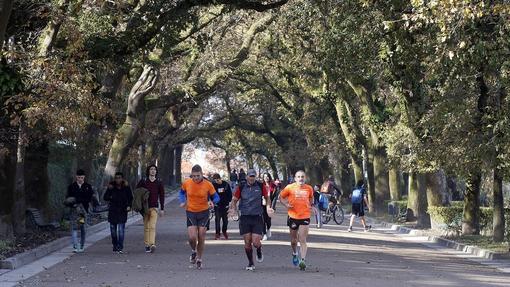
x=334, y=211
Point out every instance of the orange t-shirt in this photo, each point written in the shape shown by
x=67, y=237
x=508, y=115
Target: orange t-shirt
x=197, y=194
x=299, y=199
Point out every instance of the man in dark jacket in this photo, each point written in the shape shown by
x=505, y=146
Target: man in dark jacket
x=120, y=198
x=156, y=199
x=221, y=209
x=83, y=194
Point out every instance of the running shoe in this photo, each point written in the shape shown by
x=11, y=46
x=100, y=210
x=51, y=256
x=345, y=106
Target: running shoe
x=250, y=267
x=225, y=235
x=147, y=249
x=350, y=229
x=264, y=238
x=153, y=248
x=216, y=236
x=260, y=256
x=199, y=264
x=268, y=233
x=75, y=250
x=193, y=258
x=295, y=259
x=302, y=265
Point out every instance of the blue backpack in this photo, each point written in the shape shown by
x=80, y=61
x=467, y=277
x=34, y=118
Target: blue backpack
x=357, y=195
x=323, y=202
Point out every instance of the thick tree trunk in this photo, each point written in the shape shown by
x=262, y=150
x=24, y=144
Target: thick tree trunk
x=382, y=188
x=5, y=12
x=127, y=134
x=178, y=164
x=423, y=220
x=19, y=197
x=413, y=199
x=435, y=188
x=394, y=178
x=471, y=215
x=498, y=217
x=7, y=183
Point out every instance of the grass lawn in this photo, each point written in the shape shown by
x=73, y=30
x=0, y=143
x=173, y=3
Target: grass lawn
x=484, y=242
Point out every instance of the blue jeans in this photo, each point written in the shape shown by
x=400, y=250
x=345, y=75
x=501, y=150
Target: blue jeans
x=74, y=233
x=117, y=233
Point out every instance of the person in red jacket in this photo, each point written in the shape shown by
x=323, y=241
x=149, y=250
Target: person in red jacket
x=271, y=189
x=156, y=199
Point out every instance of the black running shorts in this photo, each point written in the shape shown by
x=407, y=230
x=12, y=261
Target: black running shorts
x=251, y=224
x=295, y=223
x=358, y=209
x=200, y=219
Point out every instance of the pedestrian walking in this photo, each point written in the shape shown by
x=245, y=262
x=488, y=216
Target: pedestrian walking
x=271, y=189
x=156, y=206
x=359, y=202
x=119, y=198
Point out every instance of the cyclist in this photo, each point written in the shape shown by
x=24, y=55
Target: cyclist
x=298, y=198
x=329, y=187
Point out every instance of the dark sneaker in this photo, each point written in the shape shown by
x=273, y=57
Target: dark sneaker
x=216, y=236
x=147, y=249
x=295, y=259
x=250, y=267
x=199, y=264
x=225, y=235
x=153, y=248
x=260, y=256
x=302, y=265
x=193, y=258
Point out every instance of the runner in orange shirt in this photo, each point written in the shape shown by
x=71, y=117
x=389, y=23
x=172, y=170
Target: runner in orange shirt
x=197, y=196
x=298, y=198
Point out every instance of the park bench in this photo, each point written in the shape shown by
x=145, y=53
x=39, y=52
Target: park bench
x=36, y=219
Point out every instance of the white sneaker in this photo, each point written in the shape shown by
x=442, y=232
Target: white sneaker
x=264, y=238
x=268, y=233
x=250, y=268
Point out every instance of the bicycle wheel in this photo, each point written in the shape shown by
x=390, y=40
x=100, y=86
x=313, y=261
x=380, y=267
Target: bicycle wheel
x=327, y=216
x=338, y=214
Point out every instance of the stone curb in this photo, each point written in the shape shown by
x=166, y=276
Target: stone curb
x=467, y=249
x=32, y=255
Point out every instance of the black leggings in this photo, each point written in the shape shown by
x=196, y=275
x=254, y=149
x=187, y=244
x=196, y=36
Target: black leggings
x=267, y=220
x=221, y=213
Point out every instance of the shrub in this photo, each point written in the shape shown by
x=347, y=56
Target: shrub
x=450, y=216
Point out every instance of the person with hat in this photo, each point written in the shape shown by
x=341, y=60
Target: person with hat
x=251, y=223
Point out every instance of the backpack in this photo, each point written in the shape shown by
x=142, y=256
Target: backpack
x=357, y=195
x=323, y=202
x=326, y=186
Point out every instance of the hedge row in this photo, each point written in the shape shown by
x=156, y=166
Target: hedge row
x=450, y=217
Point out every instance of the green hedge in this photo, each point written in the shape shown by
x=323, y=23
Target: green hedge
x=451, y=217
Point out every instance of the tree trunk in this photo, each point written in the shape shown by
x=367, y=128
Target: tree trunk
x=382, y=189
x=127, y=134
x=19, y=207
x=5, y=13
x=412, y=197
x=471, y=215
x=371, y=182
x=434, y=181
x=178, y=164
x=7, y=184
x=498, y=217
x=357, y=168
x=394, y=178
x=423, y=220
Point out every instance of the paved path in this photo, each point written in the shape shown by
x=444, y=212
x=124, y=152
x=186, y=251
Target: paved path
x=336, y=258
